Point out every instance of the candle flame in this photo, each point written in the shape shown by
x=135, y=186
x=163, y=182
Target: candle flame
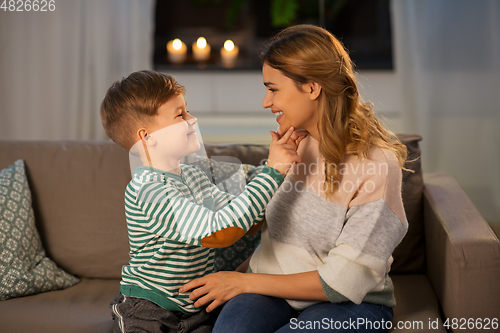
x=177, y=44
x=228, y=45
x=201, y=42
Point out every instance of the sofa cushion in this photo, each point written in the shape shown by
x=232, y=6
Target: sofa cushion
x=416, y=305
x=24, y=267
x=83, y=308
x=409, y=255
x=245, y=153
x=78, y=199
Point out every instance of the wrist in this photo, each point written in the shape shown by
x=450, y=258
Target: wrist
x=274, y=172
x=246, y=283
x=278, y=167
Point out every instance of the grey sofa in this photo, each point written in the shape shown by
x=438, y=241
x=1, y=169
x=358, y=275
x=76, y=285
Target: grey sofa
x=448, y=265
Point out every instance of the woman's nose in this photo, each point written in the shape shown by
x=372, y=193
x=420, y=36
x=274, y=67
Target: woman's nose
x=267, y=101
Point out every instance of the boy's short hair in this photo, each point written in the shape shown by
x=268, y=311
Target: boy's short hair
x=133, y=102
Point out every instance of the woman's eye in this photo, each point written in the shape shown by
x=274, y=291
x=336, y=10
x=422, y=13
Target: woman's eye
x=272, y=90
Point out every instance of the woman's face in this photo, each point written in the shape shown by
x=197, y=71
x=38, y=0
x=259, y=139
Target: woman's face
x=292, y=106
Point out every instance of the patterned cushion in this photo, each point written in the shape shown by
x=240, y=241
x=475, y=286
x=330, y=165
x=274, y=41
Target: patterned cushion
x=24, y=268
x=229, y=258
x=231, y=177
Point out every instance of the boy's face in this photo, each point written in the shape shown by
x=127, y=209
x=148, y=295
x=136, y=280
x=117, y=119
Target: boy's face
x=173, y=131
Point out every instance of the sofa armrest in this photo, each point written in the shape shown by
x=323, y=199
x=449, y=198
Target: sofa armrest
x=463, y=253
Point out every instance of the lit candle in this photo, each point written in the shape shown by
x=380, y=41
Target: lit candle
x=176, y=51
x=201, y=50
x=229, y=53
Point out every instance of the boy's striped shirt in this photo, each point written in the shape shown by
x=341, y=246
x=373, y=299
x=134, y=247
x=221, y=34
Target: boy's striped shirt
x=168, y=216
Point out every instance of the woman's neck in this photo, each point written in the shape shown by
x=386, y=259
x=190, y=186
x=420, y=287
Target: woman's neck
x=310, y=172
x=314, y=133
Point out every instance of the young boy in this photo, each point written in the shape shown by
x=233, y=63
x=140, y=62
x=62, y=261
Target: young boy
x=175, y=216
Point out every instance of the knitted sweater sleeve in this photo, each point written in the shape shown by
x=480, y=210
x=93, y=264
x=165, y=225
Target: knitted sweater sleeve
x=374, y=225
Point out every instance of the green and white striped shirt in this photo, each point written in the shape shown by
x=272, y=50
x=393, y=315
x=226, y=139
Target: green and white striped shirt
x=167, y=217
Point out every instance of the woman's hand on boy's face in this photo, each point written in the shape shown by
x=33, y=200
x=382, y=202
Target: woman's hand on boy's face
x=216, y=289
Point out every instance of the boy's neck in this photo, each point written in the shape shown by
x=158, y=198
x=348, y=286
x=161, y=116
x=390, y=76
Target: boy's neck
x=173, y=166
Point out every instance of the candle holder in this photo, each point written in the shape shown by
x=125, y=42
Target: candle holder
x=201, y=50
x=176, y=50
x=229, y=53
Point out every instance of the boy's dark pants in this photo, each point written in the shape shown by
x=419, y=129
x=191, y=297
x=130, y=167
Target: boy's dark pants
x=131, y=314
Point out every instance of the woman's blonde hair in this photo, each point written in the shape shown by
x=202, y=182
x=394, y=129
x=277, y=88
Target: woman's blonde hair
x=306, y=53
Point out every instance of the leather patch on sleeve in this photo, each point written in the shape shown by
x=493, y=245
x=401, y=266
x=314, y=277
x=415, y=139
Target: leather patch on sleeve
x=223, y=238
x=255, y=228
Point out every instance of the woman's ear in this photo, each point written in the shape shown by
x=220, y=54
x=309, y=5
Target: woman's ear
x=313, y=89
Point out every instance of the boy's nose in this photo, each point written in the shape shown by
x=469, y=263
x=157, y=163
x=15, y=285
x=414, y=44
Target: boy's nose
x=191, y=120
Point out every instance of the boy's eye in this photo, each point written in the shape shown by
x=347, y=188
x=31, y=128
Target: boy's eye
x=180, y=114
x=272, y=90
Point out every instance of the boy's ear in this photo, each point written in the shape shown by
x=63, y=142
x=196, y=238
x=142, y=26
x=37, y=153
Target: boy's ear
x=313, y=89
x=148, y=139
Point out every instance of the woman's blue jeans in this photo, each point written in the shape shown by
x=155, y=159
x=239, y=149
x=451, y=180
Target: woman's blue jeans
x=264, y=314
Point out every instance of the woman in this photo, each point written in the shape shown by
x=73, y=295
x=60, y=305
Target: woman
x=331, y=228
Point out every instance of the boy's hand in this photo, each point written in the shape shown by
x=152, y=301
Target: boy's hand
x=296, y=137
x=282, y=155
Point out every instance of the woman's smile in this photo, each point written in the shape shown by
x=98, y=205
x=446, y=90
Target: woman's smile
x=299, y=101
x=278, y=114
